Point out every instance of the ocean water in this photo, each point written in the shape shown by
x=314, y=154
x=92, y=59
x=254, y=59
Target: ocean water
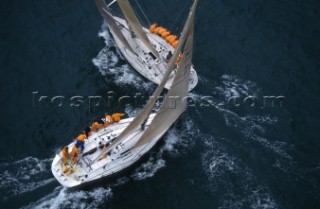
x=231, y=152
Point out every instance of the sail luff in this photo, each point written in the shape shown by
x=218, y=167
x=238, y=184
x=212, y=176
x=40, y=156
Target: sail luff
x=176, y=100
x=135, y=25
x=103, y=8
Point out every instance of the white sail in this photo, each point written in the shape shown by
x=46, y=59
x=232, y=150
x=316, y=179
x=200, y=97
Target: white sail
x=143, y=115
x=135, y=25
x=103, y=8
x=176, y=100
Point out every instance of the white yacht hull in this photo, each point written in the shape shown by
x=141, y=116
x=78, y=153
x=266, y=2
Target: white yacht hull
x=122, y=157
x=143, y=62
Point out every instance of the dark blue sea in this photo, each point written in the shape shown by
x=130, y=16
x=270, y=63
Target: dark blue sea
x=250, y=139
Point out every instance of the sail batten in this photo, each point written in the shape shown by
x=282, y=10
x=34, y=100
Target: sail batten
x=135, y=25
x=103, y=8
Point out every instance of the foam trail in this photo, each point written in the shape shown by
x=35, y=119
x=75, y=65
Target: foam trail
x=234, y=86
x=112, y=65
x=24, y=176
x=63, y=198
x=217, y=163
x=250, y=124
x=256, y=198
x=175, y=143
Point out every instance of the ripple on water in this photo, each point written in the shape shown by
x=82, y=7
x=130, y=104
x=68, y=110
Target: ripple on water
x=64, y=198
x=24, y=176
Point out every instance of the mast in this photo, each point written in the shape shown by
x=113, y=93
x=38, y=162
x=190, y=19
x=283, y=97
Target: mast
x=103, y=8
x=135, y=25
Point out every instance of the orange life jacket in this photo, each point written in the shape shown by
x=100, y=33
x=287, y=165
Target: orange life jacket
x=93, y=127
x=168, y=38
x=117, y=116
x=162, y=30
x=172, y=39
x=165, y=34
x=81, y=137
x=99, y=126
x=75, y=151
x=175, y=44
x=74, y=154
x=109, y=118
x=152, y=27
x=96, y=126
x=156, y=30
x=65, y=155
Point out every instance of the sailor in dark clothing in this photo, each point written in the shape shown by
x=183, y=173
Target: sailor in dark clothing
x=169, y=55
x=100, y=121
x=87, y=131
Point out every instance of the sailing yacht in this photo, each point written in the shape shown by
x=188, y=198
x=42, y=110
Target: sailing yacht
x=145, y=51
x=119, y=146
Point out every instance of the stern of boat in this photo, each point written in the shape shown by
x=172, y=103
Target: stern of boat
x=57, y=171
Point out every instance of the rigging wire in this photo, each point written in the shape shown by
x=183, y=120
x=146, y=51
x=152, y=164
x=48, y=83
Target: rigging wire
x=178, y=17
x=144, y=14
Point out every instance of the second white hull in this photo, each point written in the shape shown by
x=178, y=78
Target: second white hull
x=143, y=62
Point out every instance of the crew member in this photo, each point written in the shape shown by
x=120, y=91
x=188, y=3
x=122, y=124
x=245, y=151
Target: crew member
x=87, y=131
x=175, y=44
x=65, y=155
x=152, y=27
x=74, y=153
x=96, y=125
x=165, y=34
x=169, y=55
x=117, y=116
x=80, y=141
x=107, y=120
x=100, y=121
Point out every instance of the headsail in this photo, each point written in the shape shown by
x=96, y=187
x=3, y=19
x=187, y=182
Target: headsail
x=135, y=25
x=175, y=103
x=103, y=8
x=143, y=115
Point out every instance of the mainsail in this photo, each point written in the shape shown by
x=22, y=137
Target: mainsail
x=103, y=8
x=135, y=25
x=176, y=100
x=143, y=115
